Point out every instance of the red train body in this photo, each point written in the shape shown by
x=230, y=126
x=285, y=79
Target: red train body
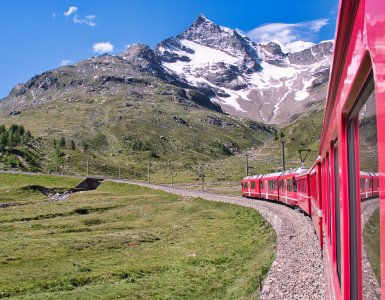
x=344, y=190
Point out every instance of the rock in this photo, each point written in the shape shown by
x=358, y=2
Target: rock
x=14, y=112
x=179, y=120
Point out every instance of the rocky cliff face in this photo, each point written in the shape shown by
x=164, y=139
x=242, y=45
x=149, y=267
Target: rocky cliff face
x=263, y=82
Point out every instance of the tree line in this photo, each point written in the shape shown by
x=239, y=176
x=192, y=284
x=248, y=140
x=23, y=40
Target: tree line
x=14, y=136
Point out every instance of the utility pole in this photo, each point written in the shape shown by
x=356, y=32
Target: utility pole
x=87, y=168
x=119, y=170
x=202, y=176
x=283, y=154
x=148, y=172
x=172, y=173
x=303, y=158
x=281, y=137
x=247, y=164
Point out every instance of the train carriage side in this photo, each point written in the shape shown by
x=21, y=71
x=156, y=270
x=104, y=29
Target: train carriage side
x=251, y=186
x=303, y=192
x=287, y=185
x=315, y=200
x=270, y=186
x=353, y=141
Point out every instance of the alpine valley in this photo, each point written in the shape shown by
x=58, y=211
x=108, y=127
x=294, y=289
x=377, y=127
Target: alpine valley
x=206, y=95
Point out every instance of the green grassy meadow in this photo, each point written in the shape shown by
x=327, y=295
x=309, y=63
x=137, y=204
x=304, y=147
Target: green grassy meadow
x=372, y=243
x=125, y=241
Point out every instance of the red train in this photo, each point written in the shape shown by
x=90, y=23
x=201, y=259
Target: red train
x=344, y=190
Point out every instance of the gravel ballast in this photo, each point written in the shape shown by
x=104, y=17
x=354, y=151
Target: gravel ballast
x=297, y=272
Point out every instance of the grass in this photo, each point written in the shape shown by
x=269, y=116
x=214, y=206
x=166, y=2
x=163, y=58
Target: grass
x=372, y=243
x=125, y=241
x=23, y=189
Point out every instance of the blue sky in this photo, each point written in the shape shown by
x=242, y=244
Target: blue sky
x=40, y=35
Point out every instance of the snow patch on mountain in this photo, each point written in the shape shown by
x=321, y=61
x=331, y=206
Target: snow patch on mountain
x=266, y=82
x=297, y=46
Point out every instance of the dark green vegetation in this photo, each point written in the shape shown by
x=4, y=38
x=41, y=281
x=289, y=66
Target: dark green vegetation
x=128, y=242
x=372, y=243
x=17, y=148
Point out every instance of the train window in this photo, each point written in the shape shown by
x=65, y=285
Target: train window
x=294, y=185
x=363, y=196
x=271, y=184
x=281, y=184
x=362, y=183
x=253, y=185
x=246, y=185
x=289, y=185
x=337, y=212
x=329, y=197
x=261, y=184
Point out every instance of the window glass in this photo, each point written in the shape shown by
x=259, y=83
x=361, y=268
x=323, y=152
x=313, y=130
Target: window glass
x=363, y=196
x=370, y=222
x=253, y=185
x=337, y=213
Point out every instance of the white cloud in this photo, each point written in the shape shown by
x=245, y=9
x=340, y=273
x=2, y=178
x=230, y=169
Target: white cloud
x=70, y=11
x=88, y=20
x=287, y=33
x=103, y=47
x=65, y=62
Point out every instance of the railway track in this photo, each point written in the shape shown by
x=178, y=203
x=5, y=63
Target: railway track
x=297, y=272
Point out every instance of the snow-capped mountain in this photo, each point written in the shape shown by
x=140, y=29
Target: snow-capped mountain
x=269, y=82
x=264, y=82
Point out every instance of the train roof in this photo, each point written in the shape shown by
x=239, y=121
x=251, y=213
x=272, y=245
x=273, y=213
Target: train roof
x=368, y=173
x=288, y=172
x=277, y=174
x=253, y=177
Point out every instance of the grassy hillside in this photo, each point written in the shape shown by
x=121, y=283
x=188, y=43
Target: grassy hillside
x=148, y=121
x=305, y=132
x=127, y=241
x=114, y=116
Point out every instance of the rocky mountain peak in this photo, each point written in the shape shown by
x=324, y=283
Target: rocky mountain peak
x=201, y=29
x=267, y=82
x=273, y=48
x=138, y=52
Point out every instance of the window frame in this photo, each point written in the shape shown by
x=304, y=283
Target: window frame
x=355, y=185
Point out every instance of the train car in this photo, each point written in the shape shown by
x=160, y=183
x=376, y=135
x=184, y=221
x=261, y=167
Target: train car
x=251, y=186
x=350, y=143
x=287, y=186
x=366, y=185
x=269, y=186
x=303, y=190
x=376, y=185
x=315, y=200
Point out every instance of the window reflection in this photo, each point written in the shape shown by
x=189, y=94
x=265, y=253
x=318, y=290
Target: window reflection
x=369, y=201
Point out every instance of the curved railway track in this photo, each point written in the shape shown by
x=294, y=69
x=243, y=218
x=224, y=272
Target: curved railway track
x=297, y=272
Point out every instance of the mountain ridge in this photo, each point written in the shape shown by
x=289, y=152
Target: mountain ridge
x=263, y=82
